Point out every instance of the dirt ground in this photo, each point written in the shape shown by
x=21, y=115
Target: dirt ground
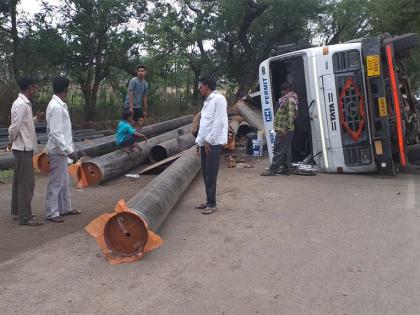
x=327, y=244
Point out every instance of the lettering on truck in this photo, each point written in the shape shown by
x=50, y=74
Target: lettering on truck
x=333, y=117
x=267, y=111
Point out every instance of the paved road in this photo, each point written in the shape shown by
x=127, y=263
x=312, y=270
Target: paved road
x=328, y=244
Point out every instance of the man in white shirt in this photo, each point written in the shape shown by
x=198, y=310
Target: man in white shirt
x=212, y=136
x=22, y=140
x=60, y=149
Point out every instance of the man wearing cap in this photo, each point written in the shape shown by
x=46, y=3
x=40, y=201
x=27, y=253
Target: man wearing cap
x=283, y=126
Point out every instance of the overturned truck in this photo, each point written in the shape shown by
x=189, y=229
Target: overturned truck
x=356, y=109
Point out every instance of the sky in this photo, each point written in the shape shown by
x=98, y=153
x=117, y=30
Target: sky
x=32, y=6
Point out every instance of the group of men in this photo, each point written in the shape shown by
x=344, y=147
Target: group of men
x=211, y=136
x=23, y=143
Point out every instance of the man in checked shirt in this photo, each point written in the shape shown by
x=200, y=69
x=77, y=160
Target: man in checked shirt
x=284, y=127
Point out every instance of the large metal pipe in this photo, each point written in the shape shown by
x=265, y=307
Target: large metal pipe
x=244, y=128
x=107, y=144
x=170, y=147
x=251, y=116
x=234, y=123
x=126, y=234
x=105, y=167
x=155, y=201
x=7, y=160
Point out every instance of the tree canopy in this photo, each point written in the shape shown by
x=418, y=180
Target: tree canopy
x=97, y=43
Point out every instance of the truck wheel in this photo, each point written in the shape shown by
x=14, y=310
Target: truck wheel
x=405, y=42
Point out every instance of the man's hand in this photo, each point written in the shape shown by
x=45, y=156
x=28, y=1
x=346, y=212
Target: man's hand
x=207, y=147
x=9, y=146
x=145, y=115
x=73, y=156
x=131, y=109
x=40, y=116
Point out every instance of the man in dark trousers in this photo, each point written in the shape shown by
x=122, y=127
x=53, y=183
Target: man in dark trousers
x=22, y=140
x=283, y=126
x=136, y=100
x=212, y=136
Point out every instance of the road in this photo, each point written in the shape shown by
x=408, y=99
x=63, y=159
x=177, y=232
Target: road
x=327, y=244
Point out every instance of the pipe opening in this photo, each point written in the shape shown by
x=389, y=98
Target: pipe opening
x=126, y=234
x=92, y=173
x=42, y=162
x=244, y=129
x=157, y=153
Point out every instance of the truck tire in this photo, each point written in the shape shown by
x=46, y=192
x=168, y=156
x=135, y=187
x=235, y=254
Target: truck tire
x=405, y=42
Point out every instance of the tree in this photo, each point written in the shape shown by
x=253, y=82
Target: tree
x=98, y=38
x=343, y=20
x=247, y=31
x=179, y=30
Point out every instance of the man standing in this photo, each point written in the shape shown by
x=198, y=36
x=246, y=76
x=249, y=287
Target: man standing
x=136, y=100
x=283, y=126
x=60, y=148
x=212, y=136
x=22, y=140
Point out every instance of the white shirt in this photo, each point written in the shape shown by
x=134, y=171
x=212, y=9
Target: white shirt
x=22, y=128
x=214, y=121
x=60, y=139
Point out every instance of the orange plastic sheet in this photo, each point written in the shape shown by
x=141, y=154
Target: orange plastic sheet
x=40, y=162
x=76, y=171
x=96, y=229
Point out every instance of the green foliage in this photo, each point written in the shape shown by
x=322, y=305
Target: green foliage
x=98, y=43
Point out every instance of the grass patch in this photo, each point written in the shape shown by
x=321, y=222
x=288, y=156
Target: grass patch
x=5, y=175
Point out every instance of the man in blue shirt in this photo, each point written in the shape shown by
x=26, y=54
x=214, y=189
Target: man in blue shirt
x=136, y=100
x=126, y=134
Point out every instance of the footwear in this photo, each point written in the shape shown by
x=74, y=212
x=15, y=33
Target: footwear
x=268, y=173
x=209, y=210
x=71, y=212
x=16, y=217
x=284, y=172
x=31, y=222
x=201, y=206
x=57, y=219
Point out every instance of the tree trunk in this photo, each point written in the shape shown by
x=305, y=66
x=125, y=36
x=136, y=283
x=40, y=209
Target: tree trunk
x=195, y=91
x=15, y=38
x=246, y=81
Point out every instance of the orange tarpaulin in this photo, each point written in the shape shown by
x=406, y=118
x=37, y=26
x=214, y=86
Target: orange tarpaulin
x=96, y=229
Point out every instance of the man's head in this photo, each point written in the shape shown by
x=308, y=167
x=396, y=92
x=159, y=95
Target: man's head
x=28, y=86
x=285, y=88
x=141, y=71
x=206, y=85
x=61, y=86
x=127, y=115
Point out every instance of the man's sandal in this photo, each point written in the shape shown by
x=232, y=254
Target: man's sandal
x=209, y=210
x=201, y=206
x=72, y=212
